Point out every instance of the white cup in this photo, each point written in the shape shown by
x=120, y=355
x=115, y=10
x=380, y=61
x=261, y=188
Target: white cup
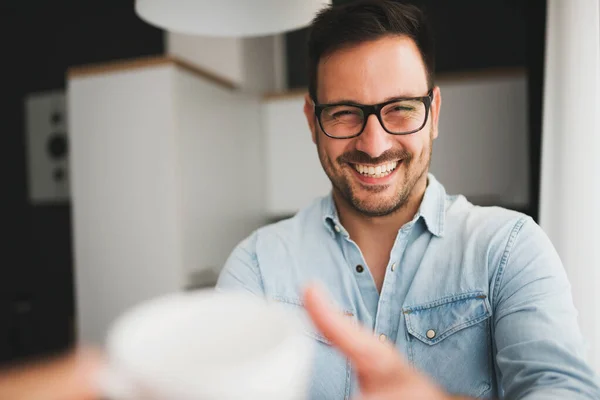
x=207, y=345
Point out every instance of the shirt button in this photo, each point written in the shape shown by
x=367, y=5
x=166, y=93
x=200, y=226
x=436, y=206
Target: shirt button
x=382, y=338
x=359, y=268
x=393, y=266
x=430, y=334
x=337, y=229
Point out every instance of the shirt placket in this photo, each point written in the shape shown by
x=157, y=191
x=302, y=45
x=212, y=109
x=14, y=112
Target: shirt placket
x=387, y=317
x=381, y=306
x=358, y=268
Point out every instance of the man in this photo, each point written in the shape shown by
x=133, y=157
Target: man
x=475, y=298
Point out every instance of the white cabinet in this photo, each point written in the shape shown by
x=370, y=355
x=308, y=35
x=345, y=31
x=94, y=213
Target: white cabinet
x=167, y=177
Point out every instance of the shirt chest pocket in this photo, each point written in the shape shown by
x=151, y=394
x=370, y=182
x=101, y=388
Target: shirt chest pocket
x=331, y=370
x=449, y=339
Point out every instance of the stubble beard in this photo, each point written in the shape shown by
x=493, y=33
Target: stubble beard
x=414, y=169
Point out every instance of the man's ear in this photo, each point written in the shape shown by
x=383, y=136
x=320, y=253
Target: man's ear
x=309, y=112
x=436, y=105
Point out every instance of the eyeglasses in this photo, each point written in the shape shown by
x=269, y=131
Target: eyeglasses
x=400, y=116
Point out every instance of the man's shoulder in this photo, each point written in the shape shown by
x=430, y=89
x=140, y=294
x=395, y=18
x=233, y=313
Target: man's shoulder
x=271, y=251
x=491, y=231
x=496, y=232
x=309, y=221
x=467, y=217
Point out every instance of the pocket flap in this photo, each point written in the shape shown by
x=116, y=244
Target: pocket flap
x=433, y=322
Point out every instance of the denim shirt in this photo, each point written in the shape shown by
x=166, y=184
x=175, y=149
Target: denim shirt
x=474, y=297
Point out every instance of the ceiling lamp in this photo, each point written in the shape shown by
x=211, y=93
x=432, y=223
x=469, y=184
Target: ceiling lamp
x=229, y=18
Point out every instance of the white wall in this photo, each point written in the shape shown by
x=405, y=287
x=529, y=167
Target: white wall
x=482, y=148
x=221, y=56
x=255, y=64
x=127, y=236
x=481, y=152
x=263, y=57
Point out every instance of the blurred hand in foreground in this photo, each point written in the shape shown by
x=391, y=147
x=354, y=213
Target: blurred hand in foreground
x=68, y=377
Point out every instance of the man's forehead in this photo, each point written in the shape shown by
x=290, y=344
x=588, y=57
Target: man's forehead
x=372, y=71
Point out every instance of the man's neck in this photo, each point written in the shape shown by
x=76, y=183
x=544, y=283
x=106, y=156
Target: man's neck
x=375, y=236
x=364, y=229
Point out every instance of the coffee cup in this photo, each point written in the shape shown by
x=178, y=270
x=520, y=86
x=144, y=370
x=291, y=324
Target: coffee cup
x=207, y=345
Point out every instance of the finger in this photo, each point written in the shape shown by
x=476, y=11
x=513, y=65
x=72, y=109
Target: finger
x=361, y=348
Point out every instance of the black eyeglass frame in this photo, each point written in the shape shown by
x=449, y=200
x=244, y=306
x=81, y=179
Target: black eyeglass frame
x=367, y=110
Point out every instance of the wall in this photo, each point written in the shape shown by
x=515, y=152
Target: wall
x=221, y=56
x=482, y=148
x=40, y=41
x=253, y=64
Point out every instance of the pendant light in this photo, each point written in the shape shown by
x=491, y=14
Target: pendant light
x=229, y=18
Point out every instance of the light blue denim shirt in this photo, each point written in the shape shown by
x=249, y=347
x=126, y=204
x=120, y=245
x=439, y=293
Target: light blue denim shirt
x=474, y=297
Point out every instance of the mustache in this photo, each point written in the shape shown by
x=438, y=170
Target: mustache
x=360, y=157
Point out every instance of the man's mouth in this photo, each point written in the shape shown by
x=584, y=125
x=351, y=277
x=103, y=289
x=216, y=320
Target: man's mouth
x=376, y=171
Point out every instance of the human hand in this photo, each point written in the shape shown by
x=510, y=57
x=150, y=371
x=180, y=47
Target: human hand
x=382, y=373
x=68, y=377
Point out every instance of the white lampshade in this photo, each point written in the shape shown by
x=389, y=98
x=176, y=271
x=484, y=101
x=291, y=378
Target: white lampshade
x=229, y=18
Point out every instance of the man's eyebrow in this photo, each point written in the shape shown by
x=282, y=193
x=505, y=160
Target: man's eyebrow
x=351, y=101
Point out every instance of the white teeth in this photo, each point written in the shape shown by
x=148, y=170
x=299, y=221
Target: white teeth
x=378, y=171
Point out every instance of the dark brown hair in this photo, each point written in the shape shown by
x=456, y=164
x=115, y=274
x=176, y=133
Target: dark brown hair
x=359, y=21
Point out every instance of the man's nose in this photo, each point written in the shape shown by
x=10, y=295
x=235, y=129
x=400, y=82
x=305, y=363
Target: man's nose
x=374, y=140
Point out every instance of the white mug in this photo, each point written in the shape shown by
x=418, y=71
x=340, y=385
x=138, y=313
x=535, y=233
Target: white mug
x=207, y=345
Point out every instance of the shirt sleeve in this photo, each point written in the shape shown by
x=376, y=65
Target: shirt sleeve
x=540, y=352
x=241, y=270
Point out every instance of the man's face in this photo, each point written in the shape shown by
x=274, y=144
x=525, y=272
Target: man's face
x=369, y=73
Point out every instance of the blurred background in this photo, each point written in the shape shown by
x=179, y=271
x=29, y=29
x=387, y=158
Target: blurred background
x=137, y=158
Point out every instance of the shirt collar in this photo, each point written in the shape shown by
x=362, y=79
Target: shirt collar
x=433, y=206
x=330, y=215
x=432, y=209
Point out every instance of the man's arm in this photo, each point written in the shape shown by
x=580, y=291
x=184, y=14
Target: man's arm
x=241, y=271
x=539, y=347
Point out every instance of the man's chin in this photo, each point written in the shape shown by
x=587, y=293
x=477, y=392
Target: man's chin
x=371, y=208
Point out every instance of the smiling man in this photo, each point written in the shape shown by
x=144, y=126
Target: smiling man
x=474, y=297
